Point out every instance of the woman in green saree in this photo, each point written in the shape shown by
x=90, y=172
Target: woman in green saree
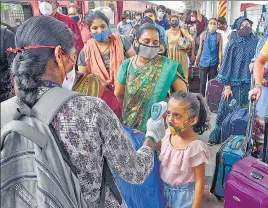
x=146, y=79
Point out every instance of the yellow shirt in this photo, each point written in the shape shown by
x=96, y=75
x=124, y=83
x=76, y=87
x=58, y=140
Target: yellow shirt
x=264, y=50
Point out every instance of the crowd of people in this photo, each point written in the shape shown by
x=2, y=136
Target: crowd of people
x=145, y=62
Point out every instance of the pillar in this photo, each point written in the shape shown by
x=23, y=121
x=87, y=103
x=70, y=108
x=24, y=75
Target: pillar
x=209, y=12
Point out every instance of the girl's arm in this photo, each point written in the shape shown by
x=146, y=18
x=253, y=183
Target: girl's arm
x=199, y=172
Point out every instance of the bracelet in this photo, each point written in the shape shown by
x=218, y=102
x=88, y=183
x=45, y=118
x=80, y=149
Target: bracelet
x=149, y=137
x=258, y=86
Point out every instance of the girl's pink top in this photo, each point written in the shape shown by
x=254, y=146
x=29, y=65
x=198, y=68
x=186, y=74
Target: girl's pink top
x=177, y=165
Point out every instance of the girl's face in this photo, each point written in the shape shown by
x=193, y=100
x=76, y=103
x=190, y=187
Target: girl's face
x=178, y=112
x=98, y=25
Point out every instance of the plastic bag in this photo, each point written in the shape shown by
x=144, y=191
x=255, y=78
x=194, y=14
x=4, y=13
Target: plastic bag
x=150, y=193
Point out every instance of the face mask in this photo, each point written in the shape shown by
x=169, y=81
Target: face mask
x=212, y=28
x=102, y=36
x=160, y=15
x=193, y=19
x=69, y=80
x=261, y=29
x=245, y=31
x=221, y=28
x=46, y=8
x=76, y=18
x=176, y=127
x=152, y=18
x=174, y=24
x=148, y=52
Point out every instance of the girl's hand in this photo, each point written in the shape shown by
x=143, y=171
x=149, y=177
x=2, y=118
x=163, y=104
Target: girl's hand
x=227, y=93
x=193, y=57
x=255, y=91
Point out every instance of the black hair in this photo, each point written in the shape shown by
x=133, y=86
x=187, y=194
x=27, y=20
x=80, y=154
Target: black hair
x=147, y=20
x=150, y=10
x=168, y=11
x=91, y=16
x=222, y=20
x=146, y=27
x=213, y=18
x=194, y=12
x=161, y=7
x=174, y=16
x=30, y=65
x=136, y=27
x=78, y=8
x=197, y=108
x=124, y=16
x=138, y=14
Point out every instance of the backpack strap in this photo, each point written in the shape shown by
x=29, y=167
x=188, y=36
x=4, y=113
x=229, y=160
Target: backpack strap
x=53, y=100
x=26, y=130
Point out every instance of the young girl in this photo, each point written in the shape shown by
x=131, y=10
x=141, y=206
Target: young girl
x=183, y=156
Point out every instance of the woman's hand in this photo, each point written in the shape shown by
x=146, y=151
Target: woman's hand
x=256, y=91
x=227, y=93
x=156, y=129
x=136, y=131
x=195, y=64
x=193, y=57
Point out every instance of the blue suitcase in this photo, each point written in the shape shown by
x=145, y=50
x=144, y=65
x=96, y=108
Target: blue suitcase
x=232, y=150
x=235, y=123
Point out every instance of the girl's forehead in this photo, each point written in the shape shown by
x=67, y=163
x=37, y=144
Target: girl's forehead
x=177, y=105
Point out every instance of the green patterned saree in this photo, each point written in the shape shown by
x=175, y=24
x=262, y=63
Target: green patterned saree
x=146, y=85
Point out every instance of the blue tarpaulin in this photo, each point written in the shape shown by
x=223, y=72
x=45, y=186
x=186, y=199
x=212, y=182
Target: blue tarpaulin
x=147, y=195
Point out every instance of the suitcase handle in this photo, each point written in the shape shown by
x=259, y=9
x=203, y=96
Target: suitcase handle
x=256, y=175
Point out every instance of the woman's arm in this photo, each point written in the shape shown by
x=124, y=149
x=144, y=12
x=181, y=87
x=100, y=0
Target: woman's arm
x=131, y=165
x=199, y=172
x=119, y=92
x=81, y=62
x=199, y=50
x=179, y=85
x=258, y=71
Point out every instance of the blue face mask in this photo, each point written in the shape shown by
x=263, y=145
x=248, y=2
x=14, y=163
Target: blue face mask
x=76, y=18
x=102, y=36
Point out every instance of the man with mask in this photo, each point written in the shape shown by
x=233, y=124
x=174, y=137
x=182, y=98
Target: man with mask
x=124, y=27
x=49, y=8
x=152, y=15
x=224, y=30
x=161, y=20
x=137, y=20
x=75, y=12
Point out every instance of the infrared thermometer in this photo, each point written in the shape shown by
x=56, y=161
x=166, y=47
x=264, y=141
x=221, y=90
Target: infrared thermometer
x=158, y=110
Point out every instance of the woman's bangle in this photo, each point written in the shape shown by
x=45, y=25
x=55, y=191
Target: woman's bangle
x=258, y=86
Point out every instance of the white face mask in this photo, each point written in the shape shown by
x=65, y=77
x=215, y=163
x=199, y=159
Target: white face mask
x=68, y=83
x=46, y=8
x=261, y=29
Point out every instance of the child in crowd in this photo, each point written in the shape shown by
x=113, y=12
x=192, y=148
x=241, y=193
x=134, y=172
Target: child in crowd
x=183, y=156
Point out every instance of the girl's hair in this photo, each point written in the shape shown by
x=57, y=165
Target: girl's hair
x=213, y=18
x=143, y=28
x=91, y=16
x=197, y=108
x=30, y=65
